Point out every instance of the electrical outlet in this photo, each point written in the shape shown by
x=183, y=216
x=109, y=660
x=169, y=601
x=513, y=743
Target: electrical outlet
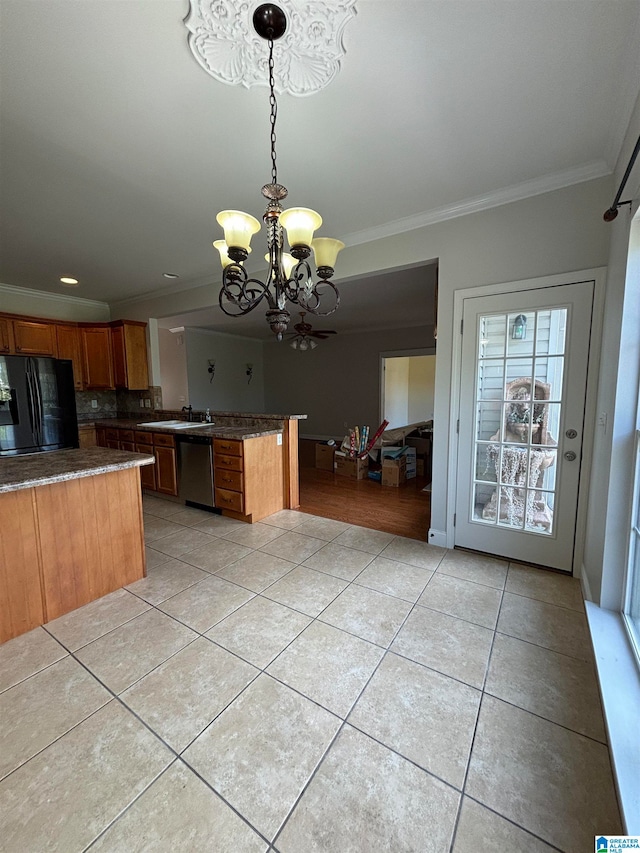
x=147, y=404
x=94, y=404
x=182, y=399
x=141, y=403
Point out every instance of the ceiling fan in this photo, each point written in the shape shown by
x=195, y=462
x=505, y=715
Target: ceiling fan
x=303, y=336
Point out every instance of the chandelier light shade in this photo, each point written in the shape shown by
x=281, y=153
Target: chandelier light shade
x=289, y=276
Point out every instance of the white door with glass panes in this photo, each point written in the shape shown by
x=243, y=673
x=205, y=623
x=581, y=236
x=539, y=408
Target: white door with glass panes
x=522, y=400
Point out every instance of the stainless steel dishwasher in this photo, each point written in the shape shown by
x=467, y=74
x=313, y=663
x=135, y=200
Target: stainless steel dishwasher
x=195, y=469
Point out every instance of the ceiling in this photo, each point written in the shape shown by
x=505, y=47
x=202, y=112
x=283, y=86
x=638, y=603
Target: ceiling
x=117, y=149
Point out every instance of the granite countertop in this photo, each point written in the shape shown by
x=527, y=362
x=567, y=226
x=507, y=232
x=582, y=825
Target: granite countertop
x=40, y=469
x=204, y=429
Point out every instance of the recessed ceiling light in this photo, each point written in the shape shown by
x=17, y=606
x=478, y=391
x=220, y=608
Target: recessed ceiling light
x=170, y=275
x=70, y=282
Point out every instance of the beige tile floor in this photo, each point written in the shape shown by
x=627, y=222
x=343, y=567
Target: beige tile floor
x=305, y=685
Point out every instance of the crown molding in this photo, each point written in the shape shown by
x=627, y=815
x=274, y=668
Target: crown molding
x=506, y=195
x=55, y=297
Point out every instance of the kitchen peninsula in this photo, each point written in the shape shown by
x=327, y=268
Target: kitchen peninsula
x=71, y=532
x=254, y=457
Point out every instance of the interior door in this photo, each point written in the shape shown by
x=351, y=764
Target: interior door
x=522, y=399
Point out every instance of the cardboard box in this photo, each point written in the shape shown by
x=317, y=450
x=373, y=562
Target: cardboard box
x=325, y=457
x=394, y=471
x=420, y=467
x=422, y=445
x=355, y=469
x=405, y=452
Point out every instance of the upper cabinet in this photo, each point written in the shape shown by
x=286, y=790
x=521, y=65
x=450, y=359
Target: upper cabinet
x=6, y=335
x=70, y=346
x=129, y=340
x=98, y=358
x=34, y=338
x=105, y=356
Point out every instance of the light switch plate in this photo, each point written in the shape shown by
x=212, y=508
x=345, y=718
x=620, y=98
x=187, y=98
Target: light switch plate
x=141, y=403
x=279, y=438
x=94, y=404
x=147, y=404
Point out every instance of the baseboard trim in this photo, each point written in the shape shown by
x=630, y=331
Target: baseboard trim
x=437, y=537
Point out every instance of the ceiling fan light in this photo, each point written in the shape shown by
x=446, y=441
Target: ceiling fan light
x=312, y=344
x=294, y=343
x=238, y=227
x=304, y=344
x=300, y=223
x=326, y=251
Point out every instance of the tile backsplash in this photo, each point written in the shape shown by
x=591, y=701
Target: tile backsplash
x=111, y=404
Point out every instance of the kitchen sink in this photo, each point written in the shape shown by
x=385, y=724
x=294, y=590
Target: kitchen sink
x=172, y=424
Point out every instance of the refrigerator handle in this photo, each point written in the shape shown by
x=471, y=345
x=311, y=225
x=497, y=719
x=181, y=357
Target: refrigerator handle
x=39, y=408
x=34, y=418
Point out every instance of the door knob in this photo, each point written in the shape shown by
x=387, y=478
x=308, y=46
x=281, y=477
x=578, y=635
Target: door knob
x=569, y=455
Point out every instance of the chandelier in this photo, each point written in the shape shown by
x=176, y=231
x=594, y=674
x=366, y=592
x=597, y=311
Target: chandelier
x=289, y=277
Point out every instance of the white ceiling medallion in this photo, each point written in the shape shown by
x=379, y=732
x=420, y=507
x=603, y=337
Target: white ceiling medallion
x=307, y=57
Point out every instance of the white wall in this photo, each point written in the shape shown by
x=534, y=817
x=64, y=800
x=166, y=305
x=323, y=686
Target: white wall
x=173, y=369
x=396, y=391
x=422, y=380
x=230, y=390
x=36, y=303
x=337, y=383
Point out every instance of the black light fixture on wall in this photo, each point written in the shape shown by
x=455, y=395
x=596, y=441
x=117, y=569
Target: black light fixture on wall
x=519, y=330
x=289, y=277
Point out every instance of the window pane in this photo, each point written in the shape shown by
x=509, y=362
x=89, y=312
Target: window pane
x=491, y=379
x=492, y=336
x=551, y=331
x=488, y=421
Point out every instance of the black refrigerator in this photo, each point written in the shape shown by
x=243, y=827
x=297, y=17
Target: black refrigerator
x=37, y=405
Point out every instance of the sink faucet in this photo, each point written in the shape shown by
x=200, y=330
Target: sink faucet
x=189, y=410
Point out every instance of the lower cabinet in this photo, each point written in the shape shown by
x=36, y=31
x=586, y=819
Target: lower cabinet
x=248, y=477
x=161, y=477
x=166, y=472
x=144, y=444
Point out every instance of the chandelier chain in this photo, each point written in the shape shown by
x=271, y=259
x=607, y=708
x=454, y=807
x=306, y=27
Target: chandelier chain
x=274, y=114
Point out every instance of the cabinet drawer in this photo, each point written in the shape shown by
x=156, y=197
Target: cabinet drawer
x=227, y=463
x=112, y=434
x=128, y=445
x=144, y=448
x=126, y=435
x=163, y=439
x=227, y=447
x=229, y=480
x=229, y=500
x=143, y=437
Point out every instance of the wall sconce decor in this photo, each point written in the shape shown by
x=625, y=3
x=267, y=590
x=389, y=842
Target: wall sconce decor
x=249, y=372
x=211, y=369
x=519, y=331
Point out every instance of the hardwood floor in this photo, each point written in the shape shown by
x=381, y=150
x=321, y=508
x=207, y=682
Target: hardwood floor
x=403, y=511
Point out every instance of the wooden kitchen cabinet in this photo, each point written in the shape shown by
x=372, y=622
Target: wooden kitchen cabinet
x=166, y=468
x=6, y=335
x=97, y=358
x=69, y=346
x=87, y=436
x=33, y=338
x=129, y=341
x=248, y=477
